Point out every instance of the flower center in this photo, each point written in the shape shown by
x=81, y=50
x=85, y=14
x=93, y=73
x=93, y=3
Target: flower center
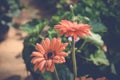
x=50, y=55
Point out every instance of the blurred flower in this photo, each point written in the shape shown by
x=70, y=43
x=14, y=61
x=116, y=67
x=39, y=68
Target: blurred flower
x=102, y=78
x=84, y=78
x=72, y=29
x=90, y=78
x=49, y=52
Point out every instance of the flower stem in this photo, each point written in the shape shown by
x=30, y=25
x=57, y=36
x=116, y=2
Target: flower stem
x=74, y=58
x=56, y=74
x=83, y=44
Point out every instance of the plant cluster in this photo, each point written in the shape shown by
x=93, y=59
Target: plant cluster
x=73, y=47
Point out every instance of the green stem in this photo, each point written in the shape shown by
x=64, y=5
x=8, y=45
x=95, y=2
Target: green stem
x=72, y=9
x=56, y=74
x=74, y=58
x=83, y=44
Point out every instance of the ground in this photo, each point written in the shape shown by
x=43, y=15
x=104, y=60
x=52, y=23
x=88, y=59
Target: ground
x=12, y=66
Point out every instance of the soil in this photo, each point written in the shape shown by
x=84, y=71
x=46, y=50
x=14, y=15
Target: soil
x=12, y=66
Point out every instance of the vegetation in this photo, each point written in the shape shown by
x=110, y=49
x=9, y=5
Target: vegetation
x=96, y=55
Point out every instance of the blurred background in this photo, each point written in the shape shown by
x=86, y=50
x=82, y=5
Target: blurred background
x=18, y=20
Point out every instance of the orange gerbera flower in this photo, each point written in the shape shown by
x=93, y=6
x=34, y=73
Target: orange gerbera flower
x=49, y=52
x=72, y=29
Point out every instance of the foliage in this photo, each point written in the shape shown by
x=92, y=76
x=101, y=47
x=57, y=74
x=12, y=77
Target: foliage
x=84, y=11
x=99, y=58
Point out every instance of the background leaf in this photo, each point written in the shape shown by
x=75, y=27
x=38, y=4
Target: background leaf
x=95, y=39
x=99, y=58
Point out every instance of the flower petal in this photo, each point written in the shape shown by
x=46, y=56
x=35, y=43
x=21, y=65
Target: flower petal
x=40, y=48
x=41, y=66
x=37, y=54
x=52, y=68
x=57, y=45
x=45, y=43
x=61, y=48
x=52, y=44
x=62, y=54
x=36, y=60
x=58, y=59
x=72, y=29
x=36, y=66
x=48, y=64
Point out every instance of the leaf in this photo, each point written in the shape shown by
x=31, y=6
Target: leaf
x=99, y=58
x=87, y=9
x=98, y=27
x=89, y=2
x=30, y=26
x=52, y=33
x=113, y=70
x=95, y=39
x=34, y=27
x=64, y=72
x=48, y=76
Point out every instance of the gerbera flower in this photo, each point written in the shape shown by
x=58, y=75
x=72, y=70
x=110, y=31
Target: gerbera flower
x=48, y=53
x=72, y=29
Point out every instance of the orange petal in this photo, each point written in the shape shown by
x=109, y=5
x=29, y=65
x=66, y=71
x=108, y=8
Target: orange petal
x=47, y=40
x=77, y=78
x=36, y=66
x=48, y=64
x=52, y=68
x=58, y=59
x=62, y=47
x=52, y=44
x=102, y=78
x=57, y=45
x=83, y=78
x=36, y=59
x=44, y=45
x=62, y=54
x=43, y=70
x=42, y=65
x=75, y=36
x=37, y=54
x=40, y=48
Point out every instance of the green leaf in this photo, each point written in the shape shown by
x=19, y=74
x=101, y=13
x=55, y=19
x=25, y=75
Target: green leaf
x=64, y=72
x=98, y=27
x=30, y=26
x=48, y=76
x=52, y=33
x=34, y=27
x=94, y=39
x=113, y=70
x=89, y=2
x=27, y=28
x=99, y=58
x=89, y=10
